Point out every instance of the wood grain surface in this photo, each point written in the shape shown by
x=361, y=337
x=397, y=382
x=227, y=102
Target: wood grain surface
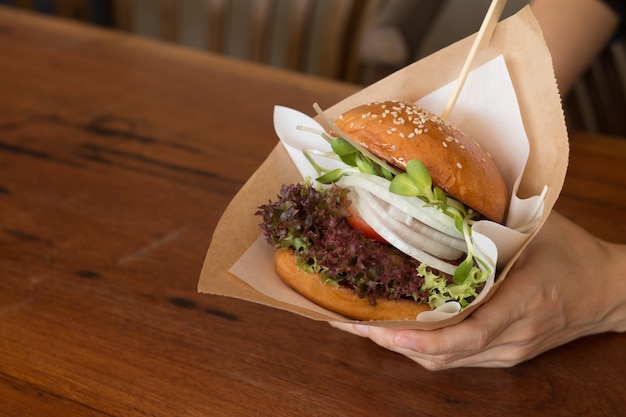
x=117, y=157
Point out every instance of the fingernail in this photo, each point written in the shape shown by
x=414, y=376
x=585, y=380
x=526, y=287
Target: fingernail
x=362, y=329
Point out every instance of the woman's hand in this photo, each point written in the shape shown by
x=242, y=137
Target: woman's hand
x=567, y=284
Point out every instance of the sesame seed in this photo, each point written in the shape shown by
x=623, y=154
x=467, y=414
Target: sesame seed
x=445, y=145
x=458, y=165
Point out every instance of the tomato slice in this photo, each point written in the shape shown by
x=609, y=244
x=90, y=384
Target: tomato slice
x=357, y=222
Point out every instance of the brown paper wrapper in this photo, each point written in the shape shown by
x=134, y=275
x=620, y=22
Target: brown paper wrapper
x=519, y=40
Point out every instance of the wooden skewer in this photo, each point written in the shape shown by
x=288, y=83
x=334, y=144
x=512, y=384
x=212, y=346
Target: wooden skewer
x=483, y=38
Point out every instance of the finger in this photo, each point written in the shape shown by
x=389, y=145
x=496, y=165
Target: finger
x=469, y=337
x=502, y=356
x=356, y=329
x=498, y=356
x=385, y=338
x=363, y=331
x=504, y=350
x=447, y=344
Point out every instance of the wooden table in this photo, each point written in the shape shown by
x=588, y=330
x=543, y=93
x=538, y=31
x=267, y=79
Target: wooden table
x=117, y=157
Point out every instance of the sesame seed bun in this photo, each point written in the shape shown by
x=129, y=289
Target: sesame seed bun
x=339, y=299
x=398, y=132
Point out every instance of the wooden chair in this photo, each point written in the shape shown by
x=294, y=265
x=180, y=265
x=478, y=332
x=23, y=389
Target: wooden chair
x=318, y=37
x=393, y=35
x=311, y=36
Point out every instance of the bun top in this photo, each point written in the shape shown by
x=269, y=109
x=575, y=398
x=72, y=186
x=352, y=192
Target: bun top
x=398, y=132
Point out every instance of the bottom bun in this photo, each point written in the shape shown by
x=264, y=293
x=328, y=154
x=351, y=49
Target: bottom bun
x=341, y=300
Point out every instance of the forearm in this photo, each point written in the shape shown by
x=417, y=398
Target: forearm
x=575, y=32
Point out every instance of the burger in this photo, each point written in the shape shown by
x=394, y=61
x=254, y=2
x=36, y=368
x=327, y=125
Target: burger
x=388, y=235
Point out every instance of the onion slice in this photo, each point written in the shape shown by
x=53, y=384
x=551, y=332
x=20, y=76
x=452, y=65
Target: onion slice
x=412, y=206
x=371, y=212
x=424, y=230
x=412, y=231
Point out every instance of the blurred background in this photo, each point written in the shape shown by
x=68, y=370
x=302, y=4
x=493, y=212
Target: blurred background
x=357, y=41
